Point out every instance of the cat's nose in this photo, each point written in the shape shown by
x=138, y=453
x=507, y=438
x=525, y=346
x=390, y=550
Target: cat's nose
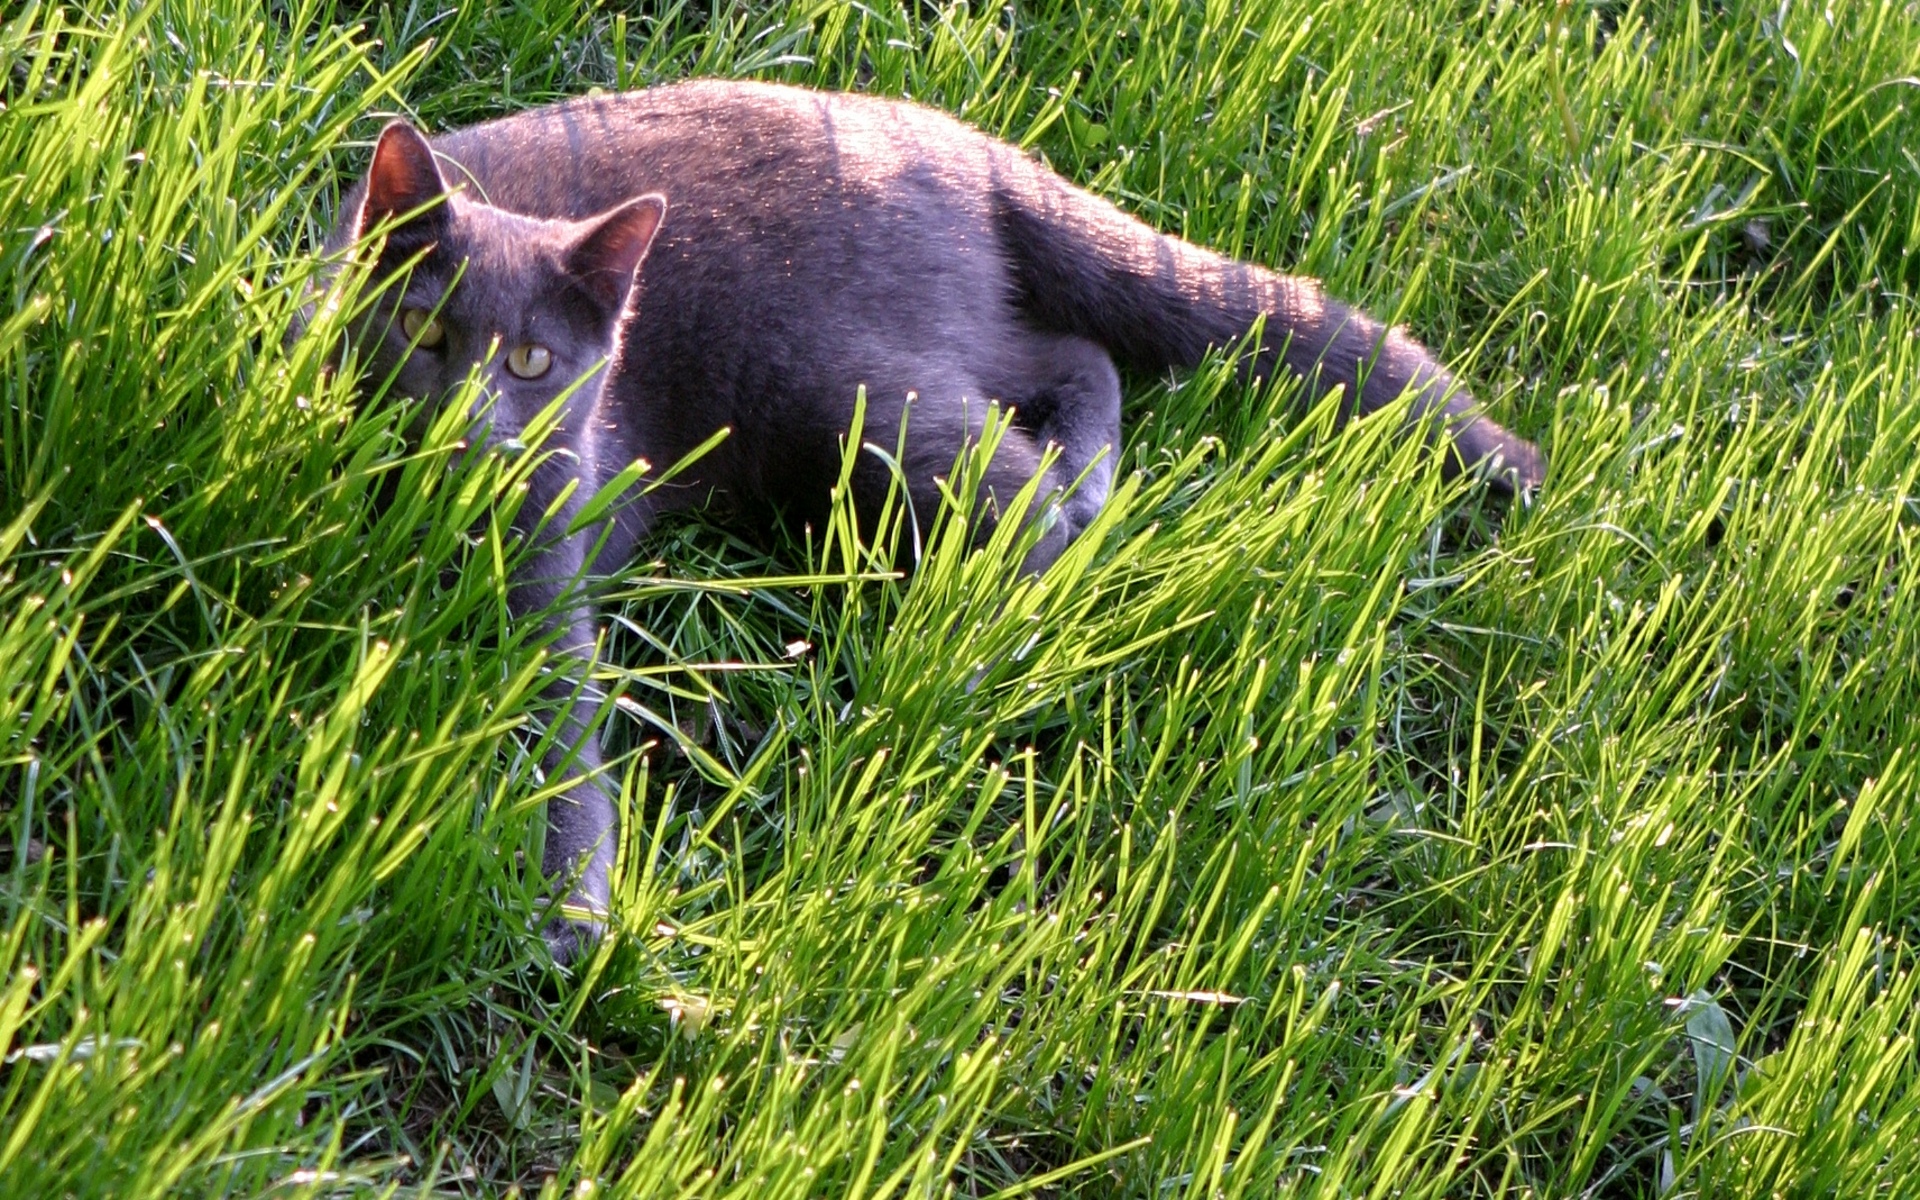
x=481, y=405
x=487, y=400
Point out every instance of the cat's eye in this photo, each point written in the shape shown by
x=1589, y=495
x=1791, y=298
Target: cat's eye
x=529, y=360
x=422, y=327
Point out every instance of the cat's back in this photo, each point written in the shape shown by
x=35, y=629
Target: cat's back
x=713, y=143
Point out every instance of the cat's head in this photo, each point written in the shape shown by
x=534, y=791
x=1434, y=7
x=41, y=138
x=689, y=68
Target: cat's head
x=534, y=304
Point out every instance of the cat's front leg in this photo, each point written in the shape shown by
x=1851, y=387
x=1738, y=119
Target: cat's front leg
x=583, y=818
x=583, y=825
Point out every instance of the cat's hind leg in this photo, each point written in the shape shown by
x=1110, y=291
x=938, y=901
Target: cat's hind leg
x=1067, y=395
x=940, y=424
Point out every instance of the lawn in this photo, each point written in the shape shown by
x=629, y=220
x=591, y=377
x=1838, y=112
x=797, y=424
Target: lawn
x=1314, y=827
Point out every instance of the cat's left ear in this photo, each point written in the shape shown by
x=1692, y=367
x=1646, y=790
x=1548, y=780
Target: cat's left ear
x=605, y=257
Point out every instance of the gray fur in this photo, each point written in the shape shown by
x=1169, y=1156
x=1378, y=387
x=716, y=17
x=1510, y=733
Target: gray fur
x=814, y=244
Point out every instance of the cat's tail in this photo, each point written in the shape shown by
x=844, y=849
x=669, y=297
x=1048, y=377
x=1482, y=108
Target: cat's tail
x=1154, y=301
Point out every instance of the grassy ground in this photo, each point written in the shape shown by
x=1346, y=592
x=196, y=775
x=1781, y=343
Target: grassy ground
x=1315, y=829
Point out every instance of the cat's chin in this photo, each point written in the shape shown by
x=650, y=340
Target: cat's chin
x=569, y=940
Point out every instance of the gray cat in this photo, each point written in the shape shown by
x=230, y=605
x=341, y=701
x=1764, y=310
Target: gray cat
x=748, y=256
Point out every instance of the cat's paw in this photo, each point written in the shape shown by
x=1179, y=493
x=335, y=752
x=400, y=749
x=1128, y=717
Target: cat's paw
x=568, y=939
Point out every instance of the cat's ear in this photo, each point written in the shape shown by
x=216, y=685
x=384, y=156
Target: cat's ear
x=605, y=257
x=402, y=180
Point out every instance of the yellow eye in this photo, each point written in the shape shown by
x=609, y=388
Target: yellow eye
x=422, y=327
x=529, y=360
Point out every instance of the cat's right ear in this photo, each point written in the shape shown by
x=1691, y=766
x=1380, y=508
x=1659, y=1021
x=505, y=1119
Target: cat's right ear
x=402, y=180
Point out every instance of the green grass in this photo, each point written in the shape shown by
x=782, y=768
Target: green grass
x=1314, y=828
